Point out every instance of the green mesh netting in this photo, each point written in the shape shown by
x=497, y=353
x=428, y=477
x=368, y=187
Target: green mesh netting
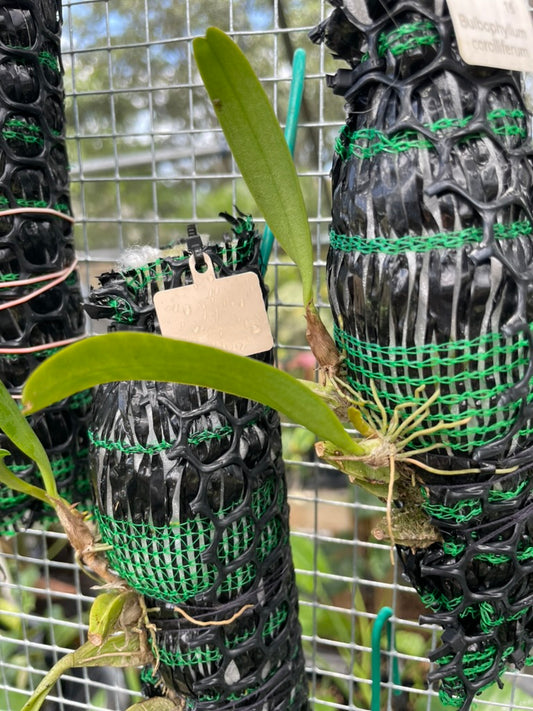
x=465, y=371
x=426, y=243
x=177, y=562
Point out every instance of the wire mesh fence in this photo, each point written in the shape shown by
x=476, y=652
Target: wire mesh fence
x=147, y=158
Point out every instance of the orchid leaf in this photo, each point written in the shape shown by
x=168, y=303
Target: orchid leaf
x=142, y=356
x=11, y=616
x=122, y=650
x=106, y=612
x=119, y=651
x=17, y=429
x=258, y=145
x=12, y=481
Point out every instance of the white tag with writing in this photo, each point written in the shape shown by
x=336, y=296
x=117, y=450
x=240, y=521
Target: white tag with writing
x=227, y=313
x=494, y=33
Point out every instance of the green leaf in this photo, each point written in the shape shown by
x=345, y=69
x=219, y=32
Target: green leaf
x=105, y=614
x=122, y=650
x=16, y=428
x=119, y=651
x=12, y=481
x=11, y=622
x=256, y=140
x=142, y=356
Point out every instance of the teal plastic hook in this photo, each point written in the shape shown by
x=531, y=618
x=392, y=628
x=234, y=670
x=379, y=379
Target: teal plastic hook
x=382, y=619
x=291, y=128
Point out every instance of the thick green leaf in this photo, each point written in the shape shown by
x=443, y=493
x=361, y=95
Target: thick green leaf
x=142, y=356
x=47, y=683
x=12, y=481
x=256, y=140
x=106, y=612
x=120, y=651
x=16, y=428
x=10, y=616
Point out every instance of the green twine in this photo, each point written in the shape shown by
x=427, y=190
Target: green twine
x=146, y=274
x=9, y=277
x=245, y=224
x=148, y=677
x=498, y=496
x=439, y=602
x=369, y=142
x=17, y=129
x=22, y=202
x=462, y=512
x=80, y=400
x=8, y=523
x=365, y=143
x=151, y=449
x=525, y=555
x=6, y=502
x=167, y=562
x=123, y=310
x=426, y=243
x=493, y=558
x=160, y=561
x=452, y=692
x=476, y=663
x=232, y=255
x=208, y=655
x=408, y=37
x=49, y=60
x=192, y=658
x=195, y=439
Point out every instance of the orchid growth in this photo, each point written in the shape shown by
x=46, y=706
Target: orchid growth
x=355, y=436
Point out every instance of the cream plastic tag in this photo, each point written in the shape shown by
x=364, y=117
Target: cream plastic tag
x=227, y=313
x=494, y=33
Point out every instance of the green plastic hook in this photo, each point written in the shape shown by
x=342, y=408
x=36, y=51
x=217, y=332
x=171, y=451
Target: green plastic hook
x=383, y=617
x=291, y=128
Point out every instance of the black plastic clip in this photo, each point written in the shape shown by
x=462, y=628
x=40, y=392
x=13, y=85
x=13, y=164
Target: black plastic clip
x=195, y=247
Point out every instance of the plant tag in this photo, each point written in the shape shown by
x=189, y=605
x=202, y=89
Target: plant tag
x=494, y=33
x=227, y=313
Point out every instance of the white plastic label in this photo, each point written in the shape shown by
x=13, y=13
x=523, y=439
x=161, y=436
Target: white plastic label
x=227, y=313
x=494, y=33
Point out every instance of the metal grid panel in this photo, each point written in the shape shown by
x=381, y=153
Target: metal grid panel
x=147, y=158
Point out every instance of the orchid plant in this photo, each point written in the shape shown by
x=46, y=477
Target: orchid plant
x=354, y=436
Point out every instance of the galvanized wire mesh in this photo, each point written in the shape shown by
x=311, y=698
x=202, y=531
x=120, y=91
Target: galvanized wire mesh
x=147, y=158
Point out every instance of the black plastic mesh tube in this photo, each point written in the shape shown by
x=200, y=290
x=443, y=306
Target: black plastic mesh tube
x=477, y=582
x=429, y=273
x=431, y=247
x=40, y=296
x=191, y=497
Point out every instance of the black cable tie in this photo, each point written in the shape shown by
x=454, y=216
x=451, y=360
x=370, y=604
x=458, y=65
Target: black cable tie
x=195, y=246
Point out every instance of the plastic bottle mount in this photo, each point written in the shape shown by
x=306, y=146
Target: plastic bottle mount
x=40, y=295
x=191, y=497
x=429, y=274
x=431, y=246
